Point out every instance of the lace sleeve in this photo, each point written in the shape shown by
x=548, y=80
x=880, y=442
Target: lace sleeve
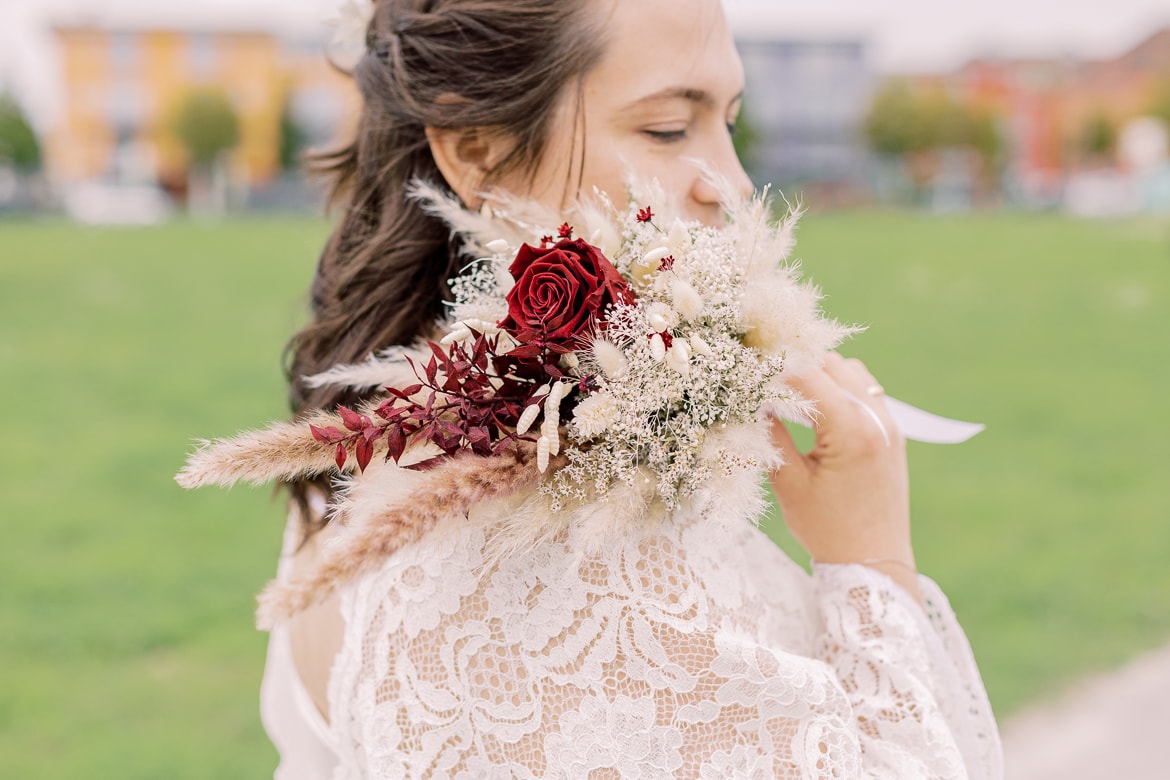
x=916, y=694
x=627, y=664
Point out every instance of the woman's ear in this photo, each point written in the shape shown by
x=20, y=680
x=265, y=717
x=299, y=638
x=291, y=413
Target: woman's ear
x=465, y=157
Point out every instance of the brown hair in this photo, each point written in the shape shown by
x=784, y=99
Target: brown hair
x=499, y=65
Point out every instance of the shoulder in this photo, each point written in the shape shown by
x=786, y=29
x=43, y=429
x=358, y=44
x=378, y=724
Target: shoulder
x=561, y=645
x=693, y=570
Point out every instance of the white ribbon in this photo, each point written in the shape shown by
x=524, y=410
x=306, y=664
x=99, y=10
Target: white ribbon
x=917, y=424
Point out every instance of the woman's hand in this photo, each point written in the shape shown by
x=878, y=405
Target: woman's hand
x=848, y=499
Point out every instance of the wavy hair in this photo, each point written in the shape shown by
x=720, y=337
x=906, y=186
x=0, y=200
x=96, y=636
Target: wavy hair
x=495, y=65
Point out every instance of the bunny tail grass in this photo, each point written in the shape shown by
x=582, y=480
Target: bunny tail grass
x=451, y=489
x=282, y=451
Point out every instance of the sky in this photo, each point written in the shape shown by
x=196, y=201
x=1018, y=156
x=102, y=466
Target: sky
x=922, y=35
x=903, y=35
x=915, y=35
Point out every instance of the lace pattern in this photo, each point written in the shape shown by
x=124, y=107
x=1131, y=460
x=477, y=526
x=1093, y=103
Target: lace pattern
x=697, y=651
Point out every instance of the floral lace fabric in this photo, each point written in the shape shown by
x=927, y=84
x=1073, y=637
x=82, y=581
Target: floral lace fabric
x=697, y=651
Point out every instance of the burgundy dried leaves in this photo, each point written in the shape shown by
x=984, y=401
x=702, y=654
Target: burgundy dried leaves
x=469, y=397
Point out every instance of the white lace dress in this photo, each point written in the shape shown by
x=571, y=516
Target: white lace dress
x=697, y=651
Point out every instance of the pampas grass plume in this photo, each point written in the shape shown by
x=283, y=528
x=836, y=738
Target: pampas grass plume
x=282, y=451
x=449, y=490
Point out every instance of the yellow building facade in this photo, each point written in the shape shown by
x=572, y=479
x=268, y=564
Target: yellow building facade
x=123, y=89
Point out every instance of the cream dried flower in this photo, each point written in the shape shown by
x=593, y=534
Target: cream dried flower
x=610, y=358
x=348, y=44
x=679, y=237
x=661, y=317
x=531, y=412
x=687, y=300
x=550, y=436
x=678, y=356
x=595, y=415
x=658, y=347
x=700, y=346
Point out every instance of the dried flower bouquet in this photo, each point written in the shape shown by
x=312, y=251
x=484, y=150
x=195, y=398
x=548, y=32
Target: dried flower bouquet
x=604, y=373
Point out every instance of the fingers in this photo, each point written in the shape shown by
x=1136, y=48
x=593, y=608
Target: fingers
x=818, y=386
x=847, y=499
x=841, y=392
x=795, y=467
x=850, y=373
x=853, y=377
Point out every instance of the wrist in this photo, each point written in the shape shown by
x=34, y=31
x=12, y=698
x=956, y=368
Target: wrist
x=893, y=552
x=903, y=572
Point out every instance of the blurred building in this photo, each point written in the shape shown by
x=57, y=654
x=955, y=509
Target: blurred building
x=124, y=83
x=1049, y=106
x=804, y=108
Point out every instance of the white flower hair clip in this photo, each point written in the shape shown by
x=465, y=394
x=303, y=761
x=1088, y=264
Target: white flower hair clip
x=348, y=44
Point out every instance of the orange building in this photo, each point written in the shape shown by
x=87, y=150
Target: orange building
x=1046, y=104
x=124, y=85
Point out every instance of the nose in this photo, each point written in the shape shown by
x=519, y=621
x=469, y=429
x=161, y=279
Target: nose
x=714, y=177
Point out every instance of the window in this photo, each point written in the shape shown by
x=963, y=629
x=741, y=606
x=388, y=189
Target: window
x=317, y=111
x=127, y=105
x=202, y=54
x=125, y=51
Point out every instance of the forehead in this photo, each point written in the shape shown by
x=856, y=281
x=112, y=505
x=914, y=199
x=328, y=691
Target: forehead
x=655, y=45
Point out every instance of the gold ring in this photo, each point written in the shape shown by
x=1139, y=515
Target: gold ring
x=875, y=390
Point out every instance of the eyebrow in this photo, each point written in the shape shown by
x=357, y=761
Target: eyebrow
x=689, y=94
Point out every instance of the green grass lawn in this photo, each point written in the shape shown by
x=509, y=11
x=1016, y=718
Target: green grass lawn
x=126, y=646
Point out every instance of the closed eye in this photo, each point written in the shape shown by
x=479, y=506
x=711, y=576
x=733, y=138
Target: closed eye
x=666, y=136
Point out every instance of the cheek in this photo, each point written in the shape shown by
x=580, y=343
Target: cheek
x=554, y=179
x=605, y=167
x=611, y=159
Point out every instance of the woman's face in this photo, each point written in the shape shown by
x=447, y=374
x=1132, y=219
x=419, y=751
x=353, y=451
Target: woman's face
x=661, y=103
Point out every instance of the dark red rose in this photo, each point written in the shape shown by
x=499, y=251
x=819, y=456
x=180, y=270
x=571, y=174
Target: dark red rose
x=561, y=294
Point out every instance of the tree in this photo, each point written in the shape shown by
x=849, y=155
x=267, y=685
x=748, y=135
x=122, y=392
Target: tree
x=18, y=143
x=1098, y=136
x=1160, y=106
x=900, y=121
x=983, y=135
x=207, y=126
x=897, y=122
x=746, y=138
x=292, y=137
x=913, y=126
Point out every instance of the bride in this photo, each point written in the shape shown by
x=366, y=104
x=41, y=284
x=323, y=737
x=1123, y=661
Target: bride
x=691, y=647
